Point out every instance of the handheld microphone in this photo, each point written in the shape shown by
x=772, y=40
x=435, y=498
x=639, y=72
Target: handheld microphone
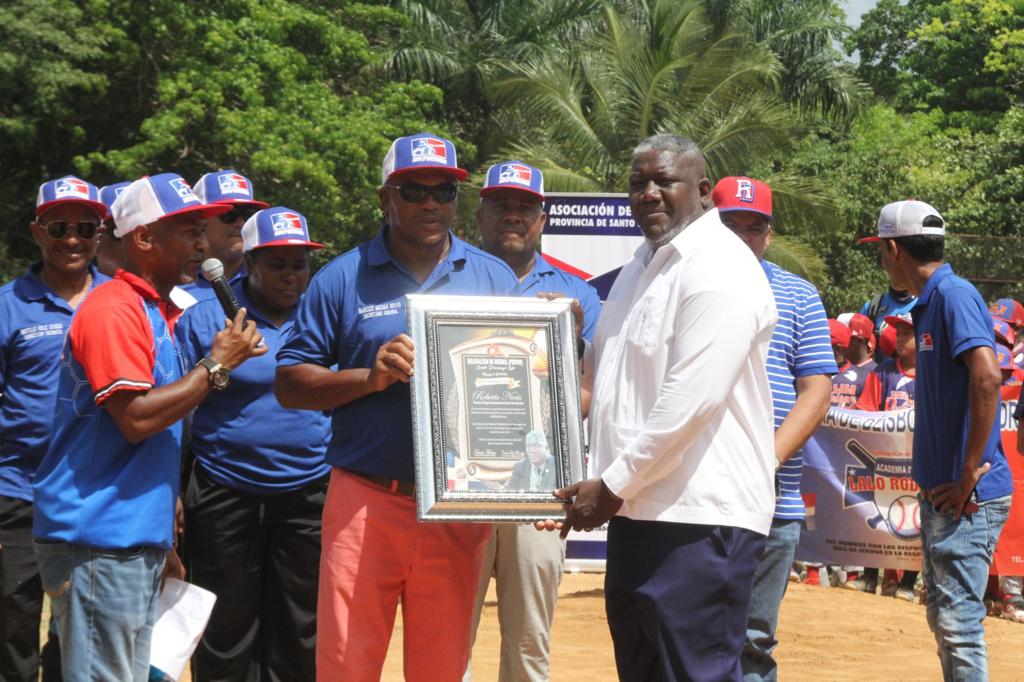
x=213, y=271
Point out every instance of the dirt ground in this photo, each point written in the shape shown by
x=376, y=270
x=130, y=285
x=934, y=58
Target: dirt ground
x=825, y=634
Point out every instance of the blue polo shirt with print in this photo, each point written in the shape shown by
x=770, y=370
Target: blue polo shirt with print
x=354, y=305
x=241, y=436
x=951, y=318
x=202, y=290
x=545, y=277
x=33, y=322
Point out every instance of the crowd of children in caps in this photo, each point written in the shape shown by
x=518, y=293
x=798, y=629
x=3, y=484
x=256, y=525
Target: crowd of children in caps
x=875, y=351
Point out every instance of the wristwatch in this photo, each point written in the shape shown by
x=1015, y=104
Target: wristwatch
x=218, y=373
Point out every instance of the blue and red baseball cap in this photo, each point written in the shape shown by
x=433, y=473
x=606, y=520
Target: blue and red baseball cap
x=1008, y=309
x=277, y=226
x=155, y=197
x=69, y=189
x=423, y=150
x=514, y=175
x=110, y=193
x=1004, y=332
x=901, y=320
x=226, y=186
x=1004, y=356
x=737, y=193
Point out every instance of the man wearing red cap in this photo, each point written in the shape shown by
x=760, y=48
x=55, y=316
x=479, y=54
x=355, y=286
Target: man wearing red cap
x=35, y=311
x=800, y=366
x=105, y=491
x=348, y=352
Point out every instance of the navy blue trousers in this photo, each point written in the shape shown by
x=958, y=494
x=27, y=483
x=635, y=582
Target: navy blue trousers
x=677, y=597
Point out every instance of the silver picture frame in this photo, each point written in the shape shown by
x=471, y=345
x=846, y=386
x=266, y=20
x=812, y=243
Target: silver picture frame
x=495, y=381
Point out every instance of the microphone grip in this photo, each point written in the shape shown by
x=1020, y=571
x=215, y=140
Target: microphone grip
x=226, y=297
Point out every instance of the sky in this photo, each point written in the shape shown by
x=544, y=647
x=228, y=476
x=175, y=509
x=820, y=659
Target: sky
x=855, y=8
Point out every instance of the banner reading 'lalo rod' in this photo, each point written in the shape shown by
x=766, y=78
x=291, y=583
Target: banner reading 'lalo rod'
x=861, y=500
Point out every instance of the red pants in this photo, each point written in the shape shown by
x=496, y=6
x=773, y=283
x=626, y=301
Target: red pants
x=376, y=552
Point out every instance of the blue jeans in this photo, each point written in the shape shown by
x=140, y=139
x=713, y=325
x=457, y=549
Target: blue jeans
x=956, y=556
x=771, y=577
x=104, y=602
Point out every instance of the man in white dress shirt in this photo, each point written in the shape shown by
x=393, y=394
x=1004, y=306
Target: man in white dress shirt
x=681, y=429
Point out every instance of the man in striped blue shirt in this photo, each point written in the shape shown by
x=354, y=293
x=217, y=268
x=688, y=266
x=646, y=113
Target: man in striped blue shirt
x=800, y=369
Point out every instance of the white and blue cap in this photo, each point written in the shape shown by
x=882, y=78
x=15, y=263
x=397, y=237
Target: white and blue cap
x=110, y=193
x=156, y=197
x=277, y=226
x=908, y=218
x=226, y=186
x=423, y=150
x=514, y=175
x=71, y=190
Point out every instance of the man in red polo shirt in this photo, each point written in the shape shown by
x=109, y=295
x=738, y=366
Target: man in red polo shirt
x=106, y=488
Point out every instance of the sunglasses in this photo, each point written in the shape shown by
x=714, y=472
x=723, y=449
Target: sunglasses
x=241, y=212
x=58, y=229
x=415, y=193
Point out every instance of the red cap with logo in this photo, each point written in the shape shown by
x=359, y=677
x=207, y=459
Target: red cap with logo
x=839, y=332
x=887, y=341
x=743, y=194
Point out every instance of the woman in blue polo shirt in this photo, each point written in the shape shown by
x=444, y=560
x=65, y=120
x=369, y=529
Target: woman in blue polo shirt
x=254, y=500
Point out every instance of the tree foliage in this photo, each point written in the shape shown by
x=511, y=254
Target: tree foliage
x=286, y=92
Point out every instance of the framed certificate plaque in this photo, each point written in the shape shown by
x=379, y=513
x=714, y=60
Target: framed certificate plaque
x=496, y=413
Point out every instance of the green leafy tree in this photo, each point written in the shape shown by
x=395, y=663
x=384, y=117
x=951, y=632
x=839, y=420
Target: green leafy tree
x=463, y=46
x=49, y=88
x=659, y=68
x=965, y=57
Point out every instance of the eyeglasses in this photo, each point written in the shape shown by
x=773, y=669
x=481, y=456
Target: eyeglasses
x=238, y=213
x=415, y=193
x=58, y=229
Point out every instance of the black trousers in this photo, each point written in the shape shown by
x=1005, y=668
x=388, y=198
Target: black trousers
x=21, y=593
x=260, y=554
x=677, y=597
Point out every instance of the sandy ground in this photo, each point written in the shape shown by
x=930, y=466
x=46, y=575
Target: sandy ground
x=825, y=634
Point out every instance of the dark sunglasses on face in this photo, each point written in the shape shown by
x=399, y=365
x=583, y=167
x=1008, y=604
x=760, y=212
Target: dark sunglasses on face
x=415, y=193
x=239, y=212
x=58, y=229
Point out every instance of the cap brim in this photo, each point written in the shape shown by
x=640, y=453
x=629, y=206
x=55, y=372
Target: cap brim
x=289, y=242
x=741, y=209
x=868, y=240
x=241, y=202
x=892, y=320
x=98, y=206
x=201, y=211
x=519, y=188
x=459, y=173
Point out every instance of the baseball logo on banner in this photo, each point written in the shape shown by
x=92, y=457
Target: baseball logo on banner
x=886, y=484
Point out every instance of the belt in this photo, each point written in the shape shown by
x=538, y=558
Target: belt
x=407, y=488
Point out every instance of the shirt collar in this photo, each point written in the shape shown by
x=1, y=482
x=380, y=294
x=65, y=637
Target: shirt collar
x=32, y=287
x=378, y=253
x=944, y=271
x=244, y=300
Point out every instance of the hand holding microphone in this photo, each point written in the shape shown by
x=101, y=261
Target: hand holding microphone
x=239, y=340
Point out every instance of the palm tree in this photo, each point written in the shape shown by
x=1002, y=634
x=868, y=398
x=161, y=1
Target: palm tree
x=463, y=45
x=656, y=67
x=802, y=34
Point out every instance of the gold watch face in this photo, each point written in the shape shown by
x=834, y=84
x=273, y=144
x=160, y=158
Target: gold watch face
x=219, y=378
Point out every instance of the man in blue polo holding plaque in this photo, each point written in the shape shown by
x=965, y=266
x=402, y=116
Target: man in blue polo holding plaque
x=527, y=565
x=374, y=551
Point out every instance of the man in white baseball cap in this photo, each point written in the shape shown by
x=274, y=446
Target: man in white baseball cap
x=958, y=459
x=105, y=491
